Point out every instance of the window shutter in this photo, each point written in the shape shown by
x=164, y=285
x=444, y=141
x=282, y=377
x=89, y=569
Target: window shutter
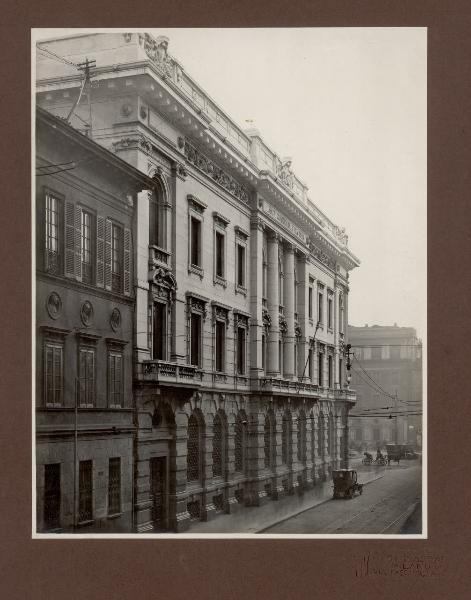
x=127, y=262
x=69, y=239
x=108, y=255
x=78, y=242
x=100, y=251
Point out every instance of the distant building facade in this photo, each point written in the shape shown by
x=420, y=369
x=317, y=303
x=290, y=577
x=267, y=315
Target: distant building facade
x=240, y=286
x=390, y=357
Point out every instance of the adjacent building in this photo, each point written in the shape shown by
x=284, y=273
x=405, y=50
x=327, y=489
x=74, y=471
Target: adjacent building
x=239, y=284
x=85, y=425
x=387, y=376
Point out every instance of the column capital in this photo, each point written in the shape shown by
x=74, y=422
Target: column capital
x=274, y=236
x=257, y=223
x=289, y=248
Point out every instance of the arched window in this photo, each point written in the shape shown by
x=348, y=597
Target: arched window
x=239, y=442
x=219, y=446
x=302, y=437
x=269, y=439
x=194, y=449
x=286, y=436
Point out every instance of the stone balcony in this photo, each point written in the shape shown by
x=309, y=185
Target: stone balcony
x=168, y=373
x=278, y=386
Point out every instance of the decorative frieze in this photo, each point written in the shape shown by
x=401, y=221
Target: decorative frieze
x=286, y=223
x=207, y=166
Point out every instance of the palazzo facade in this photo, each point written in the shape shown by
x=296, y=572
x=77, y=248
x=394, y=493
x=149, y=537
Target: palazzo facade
x=240, y=290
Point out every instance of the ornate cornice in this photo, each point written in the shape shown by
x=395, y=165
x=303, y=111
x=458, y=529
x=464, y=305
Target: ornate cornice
x=196, y=158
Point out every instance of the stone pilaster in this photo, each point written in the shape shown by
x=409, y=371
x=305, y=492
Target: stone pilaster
x=289, y=310
x=256, y=454
x=208, y=509
x=256, y=293
x=141, y=236
x=180, y=518
x=273, y=362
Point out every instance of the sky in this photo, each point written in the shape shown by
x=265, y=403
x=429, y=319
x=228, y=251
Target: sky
x=349, y=106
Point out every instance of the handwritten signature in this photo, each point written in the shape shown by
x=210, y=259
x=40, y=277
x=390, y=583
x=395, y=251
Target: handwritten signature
x=374, y=564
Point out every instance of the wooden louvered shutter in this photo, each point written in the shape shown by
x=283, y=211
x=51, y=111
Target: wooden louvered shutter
x=127, y=262
x=78, y=242
x=100, y=252
x=108, y=228
x=69, y=239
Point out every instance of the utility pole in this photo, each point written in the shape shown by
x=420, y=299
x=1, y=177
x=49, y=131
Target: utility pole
x=396, y=441
x=85, y=67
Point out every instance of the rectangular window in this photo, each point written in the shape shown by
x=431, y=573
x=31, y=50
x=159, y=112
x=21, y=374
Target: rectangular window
x=195, y=339
x=86, y=246
x=329, y=313
x=154, y=223
x=330, y=371
x=115, y=379
x=340, y=372
x=195, y=241
x=87, y=376
x=310, y=303
x=158, y=331
x=220, y=345
x=53, y=375
x=116, y=258
x=240, y=265
x=53, y=224
x=52, y=496
x=321, y=369
x=114, y=486
x=311, y=364
x=85, y=491
x=241, y=350
x=280, y=356
x=219, y=254
x=320, y=304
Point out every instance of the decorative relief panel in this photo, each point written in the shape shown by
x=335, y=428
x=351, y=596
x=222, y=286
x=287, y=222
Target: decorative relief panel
x=86, y=313
x=54, y=305
x=207, y=166
x=321, y=256
x=266, y=319
x=137, y=141
x=115, y=319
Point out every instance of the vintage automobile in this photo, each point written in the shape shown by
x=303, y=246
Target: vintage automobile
x=346, y=483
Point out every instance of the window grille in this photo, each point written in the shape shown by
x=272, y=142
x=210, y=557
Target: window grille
x=286, y=439
x=193, y=449
x=114, y=486
x=313, y=439
x=302, y=438
x=85, y=491
x=218, y=448
x=320, y=437
x=239, y=444
x=52, y=496
x=269, y=438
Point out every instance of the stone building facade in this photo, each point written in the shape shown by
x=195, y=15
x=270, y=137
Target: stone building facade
x=85, y=426
x=241, y=290
x=387, y=361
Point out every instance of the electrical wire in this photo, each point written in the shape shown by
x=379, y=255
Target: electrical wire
x=61, y=58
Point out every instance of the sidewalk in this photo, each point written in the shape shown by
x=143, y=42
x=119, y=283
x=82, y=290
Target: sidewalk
x=253, y=519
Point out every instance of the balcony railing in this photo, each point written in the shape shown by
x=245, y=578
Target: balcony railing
x=161, y=371
x=158, y=256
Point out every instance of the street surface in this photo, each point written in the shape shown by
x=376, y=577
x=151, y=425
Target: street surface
x=384, y=507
